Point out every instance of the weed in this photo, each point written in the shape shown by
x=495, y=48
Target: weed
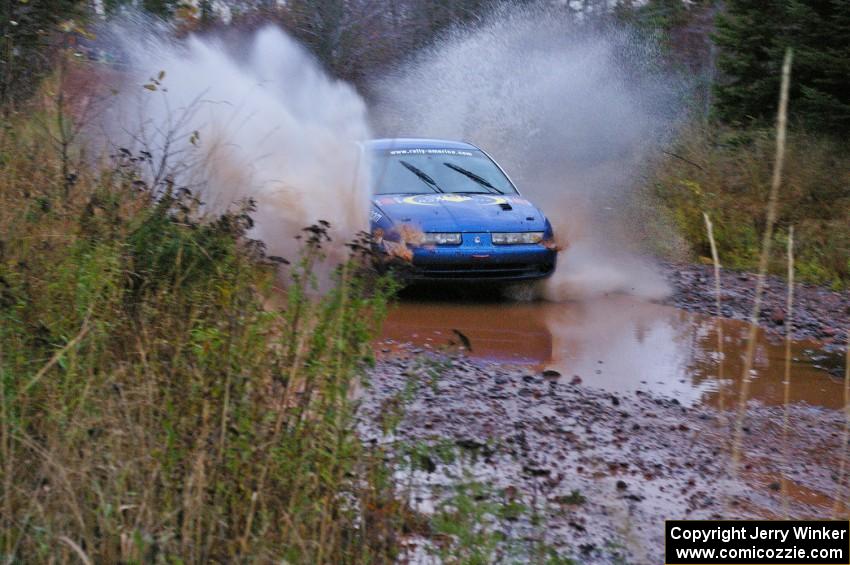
x=575, y=497
x=731, y=185
x=152, y=407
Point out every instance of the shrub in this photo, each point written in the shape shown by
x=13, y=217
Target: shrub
x=726, y=173
x=153, y=406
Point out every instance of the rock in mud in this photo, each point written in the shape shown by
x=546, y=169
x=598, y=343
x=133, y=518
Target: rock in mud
x=547, y=446
x=814, y=307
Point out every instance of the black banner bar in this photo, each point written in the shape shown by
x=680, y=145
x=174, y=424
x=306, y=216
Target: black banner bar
x=757, y=542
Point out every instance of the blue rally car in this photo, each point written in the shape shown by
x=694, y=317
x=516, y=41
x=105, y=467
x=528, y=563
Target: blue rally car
x=451, y=212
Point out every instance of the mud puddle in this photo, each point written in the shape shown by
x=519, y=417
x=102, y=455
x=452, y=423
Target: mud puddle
x=607, y=417
x=598, y=472
x=619, y=344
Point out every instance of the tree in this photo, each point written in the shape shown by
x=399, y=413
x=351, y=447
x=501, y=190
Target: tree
x=28, y=34
x=682, y=30
x=752, y=36
x=436, y=16
x=355, y=38
x=822, y=62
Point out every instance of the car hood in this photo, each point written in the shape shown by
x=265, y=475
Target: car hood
x=462, y=212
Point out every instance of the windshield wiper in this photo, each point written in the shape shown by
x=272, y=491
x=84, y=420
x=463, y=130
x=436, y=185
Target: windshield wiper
x=423, y=176
x=480, y=180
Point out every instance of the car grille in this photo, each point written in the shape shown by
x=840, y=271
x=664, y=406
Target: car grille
x=483, y=271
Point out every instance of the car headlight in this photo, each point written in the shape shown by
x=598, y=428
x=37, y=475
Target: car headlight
x=433, y=238
x=526, y=237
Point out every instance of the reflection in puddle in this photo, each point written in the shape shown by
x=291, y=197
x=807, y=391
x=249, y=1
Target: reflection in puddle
x=619, y=344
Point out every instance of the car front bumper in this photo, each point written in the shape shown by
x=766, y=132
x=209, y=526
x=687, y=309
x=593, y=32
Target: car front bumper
x=477, y=259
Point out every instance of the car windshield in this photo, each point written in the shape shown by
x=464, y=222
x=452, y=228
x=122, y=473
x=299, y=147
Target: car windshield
x=423, y=171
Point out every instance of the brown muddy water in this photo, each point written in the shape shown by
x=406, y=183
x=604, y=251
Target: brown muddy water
x=620, y=344
x=640, y=437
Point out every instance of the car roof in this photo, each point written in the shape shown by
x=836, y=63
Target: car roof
x=416, y=143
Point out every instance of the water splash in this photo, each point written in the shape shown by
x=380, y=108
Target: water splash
x=571, y=111
x=261, y=121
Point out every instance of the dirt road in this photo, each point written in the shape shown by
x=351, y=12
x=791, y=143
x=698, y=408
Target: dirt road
x=602, y=419
x=600, y=471
x=818, y=313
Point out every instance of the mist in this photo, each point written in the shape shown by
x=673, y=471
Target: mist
x=258, y=119
x=571, y=111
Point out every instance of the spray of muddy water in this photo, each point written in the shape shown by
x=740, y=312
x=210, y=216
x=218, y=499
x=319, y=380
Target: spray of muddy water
x=271, y=125
x=571, y=113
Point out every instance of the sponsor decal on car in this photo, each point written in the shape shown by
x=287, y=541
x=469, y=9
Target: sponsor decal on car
x=435, y=199
x=430, y=152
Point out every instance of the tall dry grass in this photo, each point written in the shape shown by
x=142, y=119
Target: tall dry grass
x=764, y=258
x=715, y=260
x=151, y=408
x=839, y=500
x=786, y=382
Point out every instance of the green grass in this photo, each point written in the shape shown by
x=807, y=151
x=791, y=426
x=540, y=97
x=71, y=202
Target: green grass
x=470, y=527
x=153, y=408
x=726, y=173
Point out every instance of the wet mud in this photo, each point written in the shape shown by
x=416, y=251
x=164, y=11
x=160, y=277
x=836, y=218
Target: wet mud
x=611, y=415
x=602, y=470
x=818, y=312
